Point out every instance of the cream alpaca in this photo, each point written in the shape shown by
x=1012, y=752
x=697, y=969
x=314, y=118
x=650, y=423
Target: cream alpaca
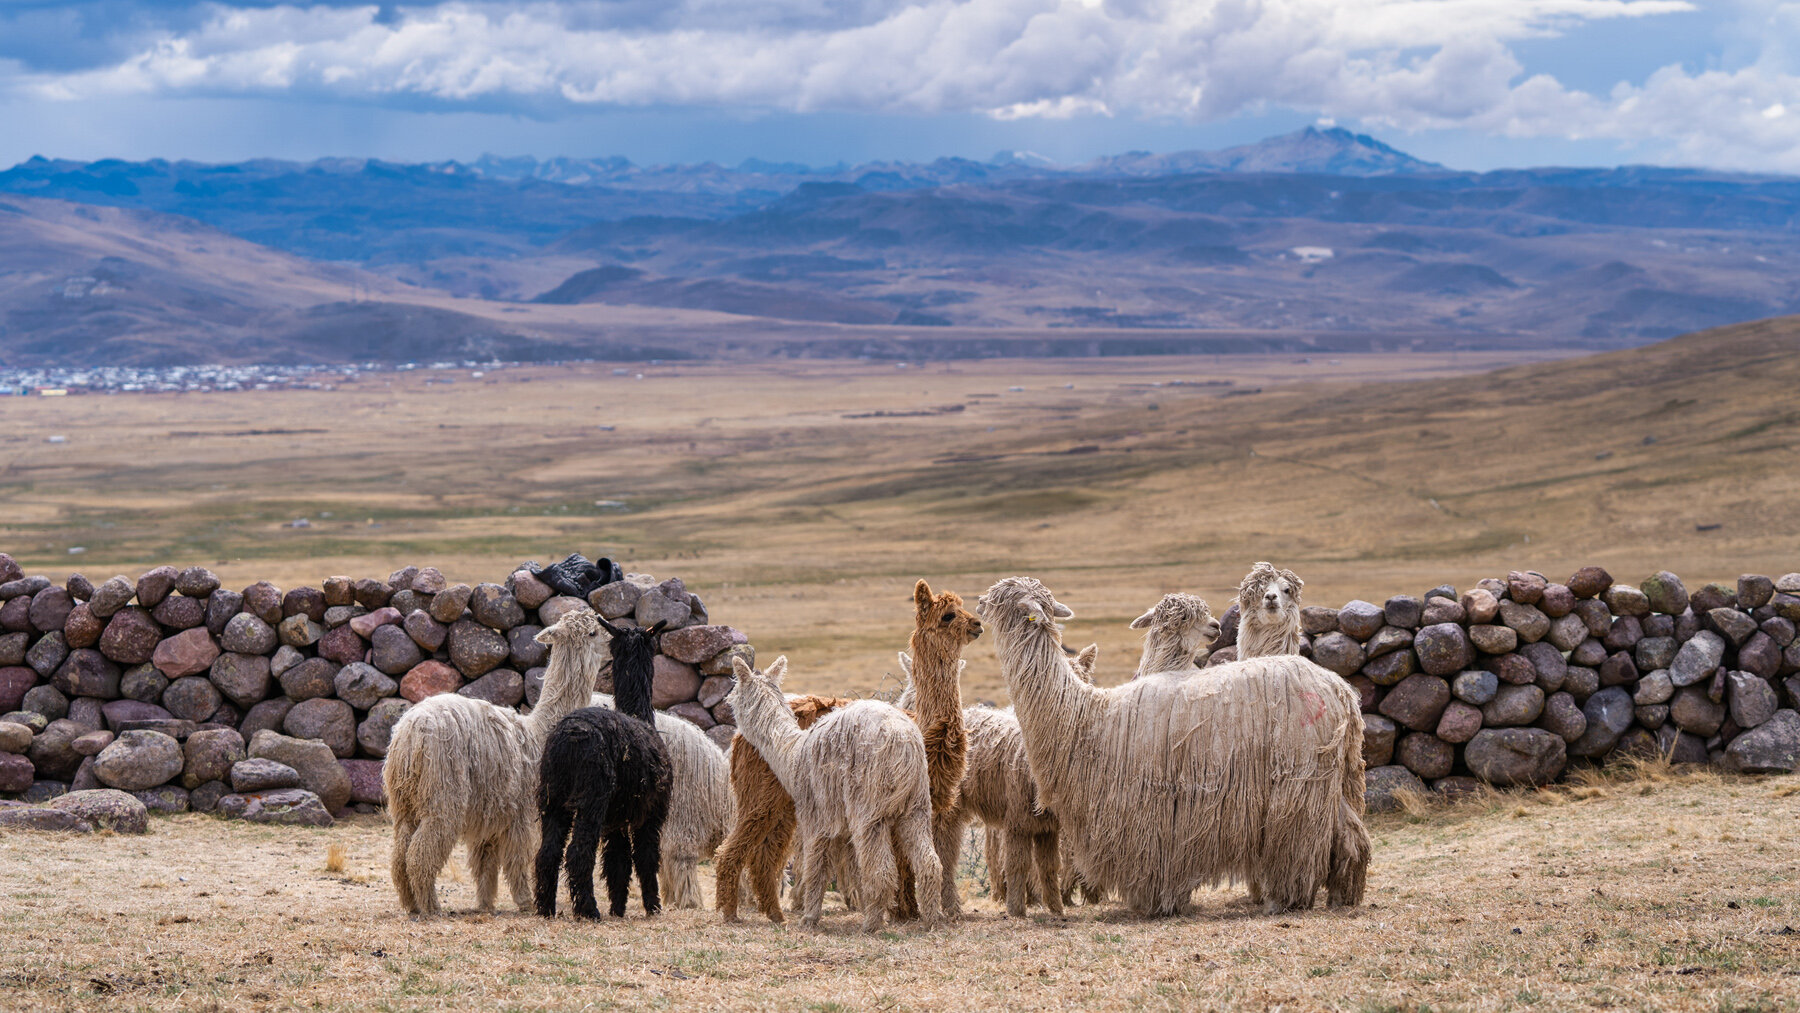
x=998, y=790
x=1182, y=629
x=465, y=769
x=1268, y=612
x=1250, y=771
x=701, y=807
x=856, y=776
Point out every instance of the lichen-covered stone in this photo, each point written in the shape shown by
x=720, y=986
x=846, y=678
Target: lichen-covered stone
x=139, y=759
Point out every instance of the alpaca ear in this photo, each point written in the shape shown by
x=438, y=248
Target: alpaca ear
x=1061, y=611
x=906, y=664
x=922, y=596
x=739, y=670
x=777, y=671
x=1143, y=622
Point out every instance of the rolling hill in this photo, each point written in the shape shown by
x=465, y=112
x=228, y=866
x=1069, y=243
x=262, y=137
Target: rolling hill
x=1321, y=239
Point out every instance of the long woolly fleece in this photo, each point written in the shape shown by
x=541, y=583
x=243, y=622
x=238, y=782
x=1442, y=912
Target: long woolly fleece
x=464, y=769
x=701, y=808
x=1242, y=772
x=858, y=777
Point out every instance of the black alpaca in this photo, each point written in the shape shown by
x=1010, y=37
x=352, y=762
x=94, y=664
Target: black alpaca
x=606, y=775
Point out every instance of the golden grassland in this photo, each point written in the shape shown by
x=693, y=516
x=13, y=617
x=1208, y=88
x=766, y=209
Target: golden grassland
x=1641, y=890
x=802, y=514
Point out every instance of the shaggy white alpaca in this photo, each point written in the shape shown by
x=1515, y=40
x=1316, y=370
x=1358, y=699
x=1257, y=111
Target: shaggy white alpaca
x=465, y=769
x=701, y=807
x=1181, y=632
x=1268, y=612
x=1249, y=771
x=857, y=776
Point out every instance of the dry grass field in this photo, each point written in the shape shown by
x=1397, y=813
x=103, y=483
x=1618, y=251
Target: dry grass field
x=1642, y=893
x=802, y=498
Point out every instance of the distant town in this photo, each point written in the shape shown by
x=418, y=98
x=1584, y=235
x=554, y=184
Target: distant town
x=56, y=382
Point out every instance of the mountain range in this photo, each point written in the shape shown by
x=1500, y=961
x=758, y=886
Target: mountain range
x=1321, y=235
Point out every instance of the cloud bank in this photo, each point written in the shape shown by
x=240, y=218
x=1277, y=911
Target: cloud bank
x=1405, y=64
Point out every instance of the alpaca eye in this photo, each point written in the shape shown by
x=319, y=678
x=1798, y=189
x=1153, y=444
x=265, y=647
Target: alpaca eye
x=947, y=617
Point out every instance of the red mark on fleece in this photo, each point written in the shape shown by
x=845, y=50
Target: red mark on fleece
x=1312, y=708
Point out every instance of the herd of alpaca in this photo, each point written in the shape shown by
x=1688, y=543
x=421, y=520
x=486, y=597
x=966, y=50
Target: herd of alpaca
x=1195, y=772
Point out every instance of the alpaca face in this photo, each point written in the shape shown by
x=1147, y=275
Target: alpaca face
x=1022, y=602
x=751, y=689
x=1270, y=592
x=1185, y=617
x=579, y=626
x=942, y=618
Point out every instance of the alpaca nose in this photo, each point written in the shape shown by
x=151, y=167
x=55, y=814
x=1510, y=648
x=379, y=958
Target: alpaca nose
x=1270, y=599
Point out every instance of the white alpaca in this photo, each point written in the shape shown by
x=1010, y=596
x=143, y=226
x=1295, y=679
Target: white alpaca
x=1181, y=632
x=701, y=807
x=1249, y=771
x=1268, y=612
x=857, y=776
x=465, y=769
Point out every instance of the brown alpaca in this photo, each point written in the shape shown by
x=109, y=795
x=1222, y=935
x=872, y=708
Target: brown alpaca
x=941, y=628
x=764, y=834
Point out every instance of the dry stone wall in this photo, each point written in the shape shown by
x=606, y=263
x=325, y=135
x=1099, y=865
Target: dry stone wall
x=1514, y=680
x=277, y=705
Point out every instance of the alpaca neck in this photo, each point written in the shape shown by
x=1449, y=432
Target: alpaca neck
x=1164, y=653
x=1260, y=636
x=568, y=684
x=935, y=687
x=1050, y=700
x=768, y=724
x=633, y=675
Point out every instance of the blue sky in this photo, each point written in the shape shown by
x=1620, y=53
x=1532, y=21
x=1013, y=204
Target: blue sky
x=1470, y=83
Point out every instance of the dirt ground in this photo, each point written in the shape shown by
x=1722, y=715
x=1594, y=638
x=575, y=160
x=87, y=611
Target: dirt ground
x=1672, y=894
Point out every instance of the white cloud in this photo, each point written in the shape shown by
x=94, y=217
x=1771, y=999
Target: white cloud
x=1408, y=64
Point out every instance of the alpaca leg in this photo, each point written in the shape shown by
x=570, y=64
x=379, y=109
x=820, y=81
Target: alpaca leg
x=758, y=846
x=1018, y=872
x=484, y=868
x=922, y=856
x=767, y=863
x=550, y=859
x=906, y=896
x=397, y=873
x=680, y=882
x=996, y=875
x=578, y=861
x=873, y=849
x=615, y=856
x=948, y=835
x=814, y=855
x=646, y=857
x=426, y=854
x=1048, y=874
x=1349, y=860
x=516, y=860
x=843, y=872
